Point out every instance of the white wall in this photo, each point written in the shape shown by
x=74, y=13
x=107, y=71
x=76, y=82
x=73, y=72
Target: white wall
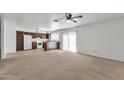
x=10, y=34
x=0, y=36
x=3, y=44
x=102, y=39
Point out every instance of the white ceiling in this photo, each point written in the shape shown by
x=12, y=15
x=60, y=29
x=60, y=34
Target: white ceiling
x=45, y=22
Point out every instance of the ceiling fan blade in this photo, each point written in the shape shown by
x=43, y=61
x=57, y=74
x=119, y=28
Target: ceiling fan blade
x=59, y=18
x=77, y=17
x=56, y=20
x=74, y=21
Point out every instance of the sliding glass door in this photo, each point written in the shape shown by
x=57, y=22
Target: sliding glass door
x=72, y=41
x=65, y=41
x=69, y=41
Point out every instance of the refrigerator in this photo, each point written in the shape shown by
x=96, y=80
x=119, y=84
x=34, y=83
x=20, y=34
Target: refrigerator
x=27, y=42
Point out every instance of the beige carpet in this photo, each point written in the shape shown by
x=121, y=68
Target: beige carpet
x=58, y=65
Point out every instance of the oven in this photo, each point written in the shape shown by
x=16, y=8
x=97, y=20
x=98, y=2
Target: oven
x=39, y=44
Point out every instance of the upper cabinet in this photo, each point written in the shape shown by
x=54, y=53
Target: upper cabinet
x=35, y=35
x=48, y=36
x=42, y=36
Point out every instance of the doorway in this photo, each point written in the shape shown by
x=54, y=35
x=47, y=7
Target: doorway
x=69, y=41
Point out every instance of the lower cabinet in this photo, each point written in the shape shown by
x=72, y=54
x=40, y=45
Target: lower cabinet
x=51, y=45
x=34, y=45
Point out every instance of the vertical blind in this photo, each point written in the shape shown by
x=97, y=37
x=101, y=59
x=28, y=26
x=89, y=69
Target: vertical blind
x=69, y=41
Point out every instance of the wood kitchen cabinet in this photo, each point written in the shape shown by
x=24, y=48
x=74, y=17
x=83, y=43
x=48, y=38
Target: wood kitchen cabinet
x=34, y=45
x=20, y=39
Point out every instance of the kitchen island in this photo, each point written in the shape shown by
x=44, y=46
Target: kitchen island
x=50, y=45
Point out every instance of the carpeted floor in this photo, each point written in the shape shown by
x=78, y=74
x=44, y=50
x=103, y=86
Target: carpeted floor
x=58, y=65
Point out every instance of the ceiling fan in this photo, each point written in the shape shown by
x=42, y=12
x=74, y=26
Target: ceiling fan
x=68, y=16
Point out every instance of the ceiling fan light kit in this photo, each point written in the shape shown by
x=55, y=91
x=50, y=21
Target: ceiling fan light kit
x=68, y=16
